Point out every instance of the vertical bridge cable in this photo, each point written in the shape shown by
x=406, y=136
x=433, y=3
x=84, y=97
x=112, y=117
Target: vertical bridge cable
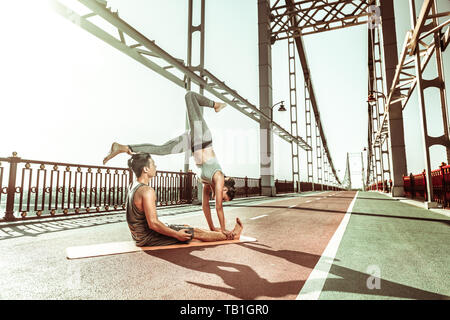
x=293, y=109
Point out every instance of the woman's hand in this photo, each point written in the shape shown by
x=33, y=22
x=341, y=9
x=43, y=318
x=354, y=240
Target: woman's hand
x=228, y=234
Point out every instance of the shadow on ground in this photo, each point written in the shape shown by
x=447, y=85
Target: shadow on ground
x=245, y=283
x=34, y=228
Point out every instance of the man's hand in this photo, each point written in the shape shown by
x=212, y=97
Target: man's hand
x=228, y=234
x=183, y=235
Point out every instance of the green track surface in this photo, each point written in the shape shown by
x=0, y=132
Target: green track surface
x=407, y=247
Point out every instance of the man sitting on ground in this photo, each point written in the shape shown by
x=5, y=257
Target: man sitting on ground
x=142, y=219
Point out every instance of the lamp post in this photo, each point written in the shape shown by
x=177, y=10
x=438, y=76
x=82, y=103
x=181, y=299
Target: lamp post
x=281, y=108
x=338, y=173
x=362, y=169
x=372, y=98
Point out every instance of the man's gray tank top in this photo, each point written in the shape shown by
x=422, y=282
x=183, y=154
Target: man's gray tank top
x=140, y=231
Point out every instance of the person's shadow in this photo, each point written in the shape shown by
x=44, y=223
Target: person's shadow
x=244, y=283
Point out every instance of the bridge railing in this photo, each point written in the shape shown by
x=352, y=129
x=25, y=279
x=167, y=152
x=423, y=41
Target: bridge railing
x=31, y=189
x=384, y=186
x=247, y=187
x=415, y=185
x=304, y=186
x=309, y=186
x=284, y=186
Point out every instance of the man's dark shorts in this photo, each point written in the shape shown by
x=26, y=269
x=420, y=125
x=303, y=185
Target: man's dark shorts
x=158, y=239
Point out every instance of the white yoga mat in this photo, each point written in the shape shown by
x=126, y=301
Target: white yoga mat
x=110, y=248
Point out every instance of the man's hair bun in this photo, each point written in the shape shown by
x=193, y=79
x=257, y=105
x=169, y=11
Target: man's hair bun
x=137, y=162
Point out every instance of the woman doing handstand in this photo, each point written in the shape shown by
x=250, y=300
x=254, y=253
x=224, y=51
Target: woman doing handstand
x=199, y=140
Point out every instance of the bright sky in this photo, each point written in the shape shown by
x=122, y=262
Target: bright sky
x=66, y=95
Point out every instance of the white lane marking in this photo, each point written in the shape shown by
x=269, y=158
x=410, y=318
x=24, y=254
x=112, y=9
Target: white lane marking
x=292, y=206
x=314, y=284
x=254, y=218
x=308, y=201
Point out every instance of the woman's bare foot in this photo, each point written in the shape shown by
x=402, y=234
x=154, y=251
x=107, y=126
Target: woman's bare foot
x=219, y=106
x=238, y=229
x=116, y=148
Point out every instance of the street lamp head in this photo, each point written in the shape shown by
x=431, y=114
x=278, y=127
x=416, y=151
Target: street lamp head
x=281, y=102
x=282, y=108
x=371, y=98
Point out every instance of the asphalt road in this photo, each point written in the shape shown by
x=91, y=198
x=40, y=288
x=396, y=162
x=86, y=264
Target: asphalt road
x=292, y=233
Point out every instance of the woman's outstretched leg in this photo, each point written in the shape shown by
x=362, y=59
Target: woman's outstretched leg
x=205, y=102
x=176, y=145
x=200, y=132
x=179, y=144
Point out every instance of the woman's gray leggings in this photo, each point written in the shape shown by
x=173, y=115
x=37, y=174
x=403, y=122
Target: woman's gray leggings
x=197, y=138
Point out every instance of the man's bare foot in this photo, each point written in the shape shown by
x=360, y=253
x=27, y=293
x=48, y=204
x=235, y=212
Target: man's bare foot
x=238, y=229
x=219, y=106
x=116, y=148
